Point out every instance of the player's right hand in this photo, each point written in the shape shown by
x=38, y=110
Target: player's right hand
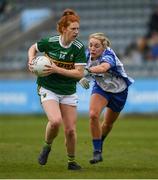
x=30, y=64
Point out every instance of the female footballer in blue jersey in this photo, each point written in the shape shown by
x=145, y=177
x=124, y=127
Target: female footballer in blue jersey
x=110, y=89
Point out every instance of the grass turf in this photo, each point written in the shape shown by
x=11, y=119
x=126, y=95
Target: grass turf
x=130, y=151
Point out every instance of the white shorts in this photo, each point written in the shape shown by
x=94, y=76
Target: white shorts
x=63, y=99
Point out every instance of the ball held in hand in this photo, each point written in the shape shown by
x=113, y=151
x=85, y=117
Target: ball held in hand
x=38, y=65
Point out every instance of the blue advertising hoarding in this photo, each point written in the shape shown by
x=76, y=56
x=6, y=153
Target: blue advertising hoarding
x=20, y=96
x=143, y=96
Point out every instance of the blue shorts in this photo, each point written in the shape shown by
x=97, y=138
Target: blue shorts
x=116, y=101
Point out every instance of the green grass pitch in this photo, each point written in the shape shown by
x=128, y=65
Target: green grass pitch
x=130, y=151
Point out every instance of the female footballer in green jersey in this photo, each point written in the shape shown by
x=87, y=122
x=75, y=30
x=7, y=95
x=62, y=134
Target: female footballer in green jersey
x=58, y=88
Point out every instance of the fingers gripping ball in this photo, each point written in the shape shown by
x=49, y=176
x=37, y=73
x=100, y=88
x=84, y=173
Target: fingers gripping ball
x=39, y=65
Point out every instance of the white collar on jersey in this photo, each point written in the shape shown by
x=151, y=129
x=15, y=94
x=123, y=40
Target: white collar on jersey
x=60, y=42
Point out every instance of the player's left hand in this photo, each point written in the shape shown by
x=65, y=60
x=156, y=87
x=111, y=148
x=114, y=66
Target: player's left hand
x=84, y=82
x=50, y=69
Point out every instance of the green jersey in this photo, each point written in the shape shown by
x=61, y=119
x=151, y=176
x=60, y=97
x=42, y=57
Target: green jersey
x=64, y=57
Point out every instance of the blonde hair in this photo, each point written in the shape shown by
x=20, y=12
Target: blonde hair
x=68, y=16
x=102, y=38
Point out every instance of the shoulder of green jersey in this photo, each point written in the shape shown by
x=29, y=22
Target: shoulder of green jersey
x=78, y=44
x=53, y=39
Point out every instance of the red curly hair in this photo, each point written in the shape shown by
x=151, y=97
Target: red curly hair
x=69, y=16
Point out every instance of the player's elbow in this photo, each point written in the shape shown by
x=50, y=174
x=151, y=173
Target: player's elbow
x=80, y=74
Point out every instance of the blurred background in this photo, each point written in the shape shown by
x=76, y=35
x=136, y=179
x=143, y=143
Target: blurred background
x=132, y=27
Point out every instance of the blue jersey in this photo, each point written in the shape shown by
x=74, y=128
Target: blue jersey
x=115, y=79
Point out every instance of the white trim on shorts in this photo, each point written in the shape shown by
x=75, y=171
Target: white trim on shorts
x=46, y=94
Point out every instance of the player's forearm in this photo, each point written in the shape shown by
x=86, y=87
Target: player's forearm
x=74, y=73
x=102, y=68
x=32, y=52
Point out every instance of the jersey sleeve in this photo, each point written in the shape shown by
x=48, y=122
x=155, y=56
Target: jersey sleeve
x=80, y=56
x=108, y=59
x=42, y=45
